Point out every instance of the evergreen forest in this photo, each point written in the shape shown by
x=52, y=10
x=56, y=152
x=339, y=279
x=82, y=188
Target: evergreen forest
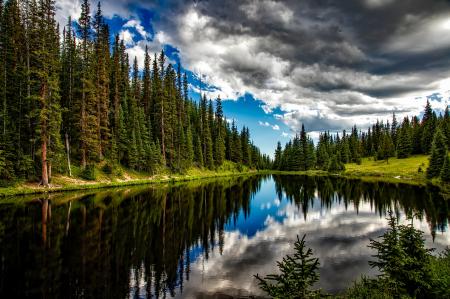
x=383, y=140
x=70, y=96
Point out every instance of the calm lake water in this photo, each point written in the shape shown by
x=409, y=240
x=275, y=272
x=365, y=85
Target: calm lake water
x=202, y=239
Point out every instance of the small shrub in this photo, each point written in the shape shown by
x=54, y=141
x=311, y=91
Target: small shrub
x=107, y=168
x=88, y=173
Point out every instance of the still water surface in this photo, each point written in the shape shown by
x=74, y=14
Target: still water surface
x=201, y=239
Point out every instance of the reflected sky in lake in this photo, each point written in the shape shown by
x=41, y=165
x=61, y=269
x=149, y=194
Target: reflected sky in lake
x=201, y=239
x=339, y=236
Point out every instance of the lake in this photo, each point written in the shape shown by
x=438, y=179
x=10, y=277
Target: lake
x=203, y=239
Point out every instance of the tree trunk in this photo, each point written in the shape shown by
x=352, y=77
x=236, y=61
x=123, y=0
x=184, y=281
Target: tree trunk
x=44, y=161
x=49, y=170
x=68, y=154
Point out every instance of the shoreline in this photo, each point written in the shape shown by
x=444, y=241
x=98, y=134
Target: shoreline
x=22, y=189
x=394, y=175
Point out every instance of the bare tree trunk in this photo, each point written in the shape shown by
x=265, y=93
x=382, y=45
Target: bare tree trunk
x=44, y=161
x=68, y=154
x=49, y=170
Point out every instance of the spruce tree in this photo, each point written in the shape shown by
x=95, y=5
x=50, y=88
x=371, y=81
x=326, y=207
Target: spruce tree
x=438, y=155
x=386, y=148
x=47, y=71
x=219, y=149
x=278, y=157
x=189, y=150
x=199, y=152
x=146, y=85
x=101, y=66
x=235, y=144
x=298, y=273
x=428, y=128
x=404, y=146
x=394, y=130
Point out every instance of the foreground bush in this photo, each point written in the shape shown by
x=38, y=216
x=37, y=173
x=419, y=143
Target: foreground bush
x=298, y=274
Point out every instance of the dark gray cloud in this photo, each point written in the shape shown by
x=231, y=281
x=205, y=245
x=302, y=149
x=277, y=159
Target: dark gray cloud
x=318, y=59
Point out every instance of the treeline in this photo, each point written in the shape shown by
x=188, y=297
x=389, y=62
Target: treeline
x=78, y=99
x=430, y=135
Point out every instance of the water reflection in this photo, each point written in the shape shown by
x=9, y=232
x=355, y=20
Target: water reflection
x=200, y=239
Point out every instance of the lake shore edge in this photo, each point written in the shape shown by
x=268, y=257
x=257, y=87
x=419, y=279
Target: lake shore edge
x=24, y=189
x=396, y=171
x=373, y=178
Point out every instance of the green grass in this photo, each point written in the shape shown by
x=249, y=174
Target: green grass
x=395, y=170
x=126, y=177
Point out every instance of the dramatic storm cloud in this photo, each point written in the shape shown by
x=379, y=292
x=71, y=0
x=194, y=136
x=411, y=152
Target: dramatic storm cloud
x=325, y=63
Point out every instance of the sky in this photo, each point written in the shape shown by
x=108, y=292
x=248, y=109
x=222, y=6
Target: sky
x=327, y=64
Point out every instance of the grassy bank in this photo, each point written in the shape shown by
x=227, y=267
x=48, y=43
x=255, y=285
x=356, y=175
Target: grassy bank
x=395, y=170
x=120, y=177
x=410, y=171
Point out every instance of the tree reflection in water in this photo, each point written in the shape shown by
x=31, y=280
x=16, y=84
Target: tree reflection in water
x=141, y=242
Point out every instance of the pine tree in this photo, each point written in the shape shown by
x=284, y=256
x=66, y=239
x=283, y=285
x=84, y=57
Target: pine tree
x=278, y=157
x=438, y=155
x=404, y=146
x=115, y=75
x=89, y=141
x=428, y=128
x=307, y=158
x=219, y=145
x=146, y=85
x=199, y=152
x=189, y=150
x=235, y=144
x=386, y=148
x=394, y=130
x=159, y=102
x=298, y=273
x=12, y=83
x=245, y=143
x=335, y=164
x=101, y=65
x=49, y=100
